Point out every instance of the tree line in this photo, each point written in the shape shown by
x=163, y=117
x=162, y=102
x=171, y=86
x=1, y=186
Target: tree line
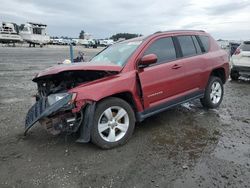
x=115, y=37
x=124, y=36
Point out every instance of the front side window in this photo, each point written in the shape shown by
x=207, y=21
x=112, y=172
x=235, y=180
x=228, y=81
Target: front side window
x=117, y=53
x=164, y=50
x=187, y=46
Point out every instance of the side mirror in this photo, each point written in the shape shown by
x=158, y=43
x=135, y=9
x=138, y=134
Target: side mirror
x=147, y=60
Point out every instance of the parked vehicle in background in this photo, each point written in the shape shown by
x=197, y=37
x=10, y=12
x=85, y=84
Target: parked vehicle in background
x=92, y=43
x=233, y=46
x=105, y=43
x=224, y=44
x=68, y=42
x=62, y=41
x=57, y=41
x=9, y=33
x=240, y=61
x=75, y=41
x=88, y=43
x=35, y=33
x=128, y=82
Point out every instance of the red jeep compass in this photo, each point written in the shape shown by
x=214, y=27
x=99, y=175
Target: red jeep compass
x=128, y=82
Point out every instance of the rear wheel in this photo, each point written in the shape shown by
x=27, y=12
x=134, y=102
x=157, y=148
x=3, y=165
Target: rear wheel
x=114, y=123
x=213, y=93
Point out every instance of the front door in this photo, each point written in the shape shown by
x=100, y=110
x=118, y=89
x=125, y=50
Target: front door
x=163, y=80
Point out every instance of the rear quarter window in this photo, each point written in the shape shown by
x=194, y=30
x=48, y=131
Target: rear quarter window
x=204, y=43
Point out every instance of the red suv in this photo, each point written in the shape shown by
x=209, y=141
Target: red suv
x=128, y=82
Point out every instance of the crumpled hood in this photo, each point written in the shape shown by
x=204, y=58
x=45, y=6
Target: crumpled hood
x=79, y=67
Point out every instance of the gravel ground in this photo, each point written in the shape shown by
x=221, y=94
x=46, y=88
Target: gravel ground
x=186, y=146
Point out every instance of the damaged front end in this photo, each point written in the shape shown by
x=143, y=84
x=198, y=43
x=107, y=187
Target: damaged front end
x=55, y=107
x=56, y=117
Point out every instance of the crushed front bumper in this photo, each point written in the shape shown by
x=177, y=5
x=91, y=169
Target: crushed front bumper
x=41, y=109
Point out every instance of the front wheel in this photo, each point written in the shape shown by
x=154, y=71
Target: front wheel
x=114, y=123
x=213, y=93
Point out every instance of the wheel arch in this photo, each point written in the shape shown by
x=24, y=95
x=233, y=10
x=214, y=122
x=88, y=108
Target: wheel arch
x=219, y=72
x=126, y=96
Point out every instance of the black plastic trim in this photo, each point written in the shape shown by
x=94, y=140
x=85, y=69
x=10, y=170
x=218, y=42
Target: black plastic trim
x=177, y=47
x=87, y=123
x=162, y=107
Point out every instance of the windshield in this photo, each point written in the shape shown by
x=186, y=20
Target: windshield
x=117, y=53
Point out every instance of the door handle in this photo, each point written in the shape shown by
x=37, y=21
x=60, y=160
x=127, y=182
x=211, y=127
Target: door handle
x=176, y=66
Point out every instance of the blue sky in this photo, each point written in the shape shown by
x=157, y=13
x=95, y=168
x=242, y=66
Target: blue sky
x=227, y=19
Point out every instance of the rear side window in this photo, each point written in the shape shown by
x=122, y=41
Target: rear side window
x=187, y=45
x=204, y=43
x=245, y=46
x=164, y=50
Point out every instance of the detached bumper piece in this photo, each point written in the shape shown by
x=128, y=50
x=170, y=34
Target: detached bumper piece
x=41, y=109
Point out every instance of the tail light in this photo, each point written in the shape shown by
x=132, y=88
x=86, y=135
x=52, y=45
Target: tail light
x=237, y=51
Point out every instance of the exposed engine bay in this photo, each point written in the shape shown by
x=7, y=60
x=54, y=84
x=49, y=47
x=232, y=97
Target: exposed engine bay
x=67, y=80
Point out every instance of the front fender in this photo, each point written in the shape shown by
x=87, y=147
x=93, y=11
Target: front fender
x=123, y=82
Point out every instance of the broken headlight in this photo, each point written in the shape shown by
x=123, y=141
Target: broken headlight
x=53, y=98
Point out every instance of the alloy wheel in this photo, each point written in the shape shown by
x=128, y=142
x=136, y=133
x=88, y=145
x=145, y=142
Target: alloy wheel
x=113, y=124
x=216, y=92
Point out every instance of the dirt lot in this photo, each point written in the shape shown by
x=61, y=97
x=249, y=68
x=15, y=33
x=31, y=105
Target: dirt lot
x=183, y=147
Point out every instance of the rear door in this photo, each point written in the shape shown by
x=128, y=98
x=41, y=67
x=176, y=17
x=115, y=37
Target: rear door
x=191, y=59
x=163, y=80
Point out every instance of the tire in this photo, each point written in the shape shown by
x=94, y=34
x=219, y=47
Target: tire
x=212, y=97
x=106, y=132
x=234, y=75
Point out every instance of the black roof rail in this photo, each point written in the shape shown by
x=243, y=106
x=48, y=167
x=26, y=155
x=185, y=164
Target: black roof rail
x=183, y=30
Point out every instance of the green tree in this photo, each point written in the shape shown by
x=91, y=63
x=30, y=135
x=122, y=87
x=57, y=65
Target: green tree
x=124, y=35
x=81, y=36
